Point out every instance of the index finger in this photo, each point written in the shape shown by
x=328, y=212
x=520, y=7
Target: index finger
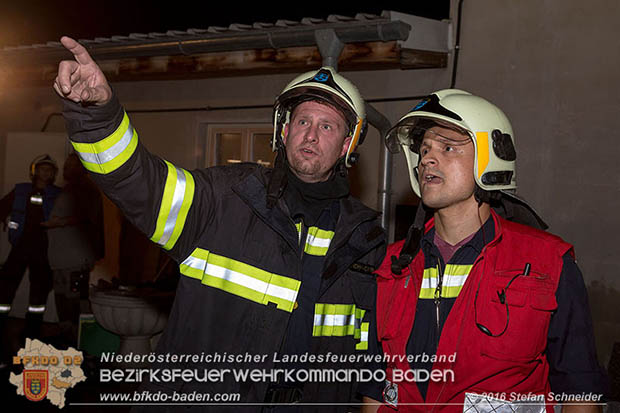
x=79, y=51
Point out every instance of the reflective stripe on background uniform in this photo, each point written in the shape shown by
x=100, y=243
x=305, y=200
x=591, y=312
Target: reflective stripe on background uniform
x=36, y=308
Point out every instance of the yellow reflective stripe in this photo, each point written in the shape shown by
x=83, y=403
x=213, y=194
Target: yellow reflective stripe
x=241, y=279
x=194, y=265
x=110, y=153
x=363, y=344
x=482, y=147
x=175, y=203
x=337, y=320
x=317, y=241
x=454, y=278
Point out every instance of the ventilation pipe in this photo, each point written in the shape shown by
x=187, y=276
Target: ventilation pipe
x=330, y=47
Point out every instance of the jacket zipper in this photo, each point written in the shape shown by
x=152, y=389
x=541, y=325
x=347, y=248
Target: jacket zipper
x=300, y=240
x=437, y=297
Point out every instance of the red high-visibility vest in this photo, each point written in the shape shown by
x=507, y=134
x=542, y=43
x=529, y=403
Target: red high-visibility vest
x=509, y=366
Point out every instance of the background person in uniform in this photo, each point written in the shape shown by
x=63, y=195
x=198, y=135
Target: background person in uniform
x=27, y=206
x=75, y=234
x=506, y=300
x=273, y=261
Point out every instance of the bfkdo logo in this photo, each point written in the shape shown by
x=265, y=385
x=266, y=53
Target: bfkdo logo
x=48, y=372
x=36, y=384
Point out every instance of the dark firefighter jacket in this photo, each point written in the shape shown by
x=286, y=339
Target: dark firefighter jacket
x=240, y=261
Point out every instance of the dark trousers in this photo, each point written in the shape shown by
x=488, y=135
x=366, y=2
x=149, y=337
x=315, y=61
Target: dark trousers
x=40, y=275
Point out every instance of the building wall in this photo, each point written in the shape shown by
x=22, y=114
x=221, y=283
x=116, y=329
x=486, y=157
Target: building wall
x=552, y=67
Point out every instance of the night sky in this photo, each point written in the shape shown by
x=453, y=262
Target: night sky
x=26, y=22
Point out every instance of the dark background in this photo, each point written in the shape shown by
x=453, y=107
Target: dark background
x=26, y=22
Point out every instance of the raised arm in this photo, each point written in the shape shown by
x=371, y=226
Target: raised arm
x=157, y=197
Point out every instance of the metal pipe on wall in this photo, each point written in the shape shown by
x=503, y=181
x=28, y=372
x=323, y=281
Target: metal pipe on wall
x=330, y=46
x=383, y=125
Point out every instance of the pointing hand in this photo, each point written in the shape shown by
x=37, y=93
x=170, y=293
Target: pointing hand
x=81, y=80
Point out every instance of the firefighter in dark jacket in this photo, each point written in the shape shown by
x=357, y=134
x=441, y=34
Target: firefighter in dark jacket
x=27, y=206
x=276, y=263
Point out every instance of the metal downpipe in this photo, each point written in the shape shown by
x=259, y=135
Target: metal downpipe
x=330, y=46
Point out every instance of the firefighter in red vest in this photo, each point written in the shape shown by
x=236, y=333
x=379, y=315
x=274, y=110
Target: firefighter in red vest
x=475, y=312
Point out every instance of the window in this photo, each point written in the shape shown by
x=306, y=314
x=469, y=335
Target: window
x=229, y=144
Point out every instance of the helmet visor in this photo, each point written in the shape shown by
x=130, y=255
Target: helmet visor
x=411, y=131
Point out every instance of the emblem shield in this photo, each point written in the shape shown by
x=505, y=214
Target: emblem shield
x=36, y=384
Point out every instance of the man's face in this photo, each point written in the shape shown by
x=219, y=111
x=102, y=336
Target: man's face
x=44, y=172
x=446, y=169
x=315, y=140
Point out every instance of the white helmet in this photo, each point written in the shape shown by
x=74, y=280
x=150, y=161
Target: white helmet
x=327, y=86
x=486, y=125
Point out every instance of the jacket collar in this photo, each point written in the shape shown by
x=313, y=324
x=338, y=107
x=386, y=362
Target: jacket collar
x=488, y=234
x=252, y=190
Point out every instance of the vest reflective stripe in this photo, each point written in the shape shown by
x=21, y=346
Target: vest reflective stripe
x=36, y=309
x=110, y=153
x=5, y=308
x=454, y=278
x=241, y=279
x=317, y=240
x=363, y=337
x=175, y=203
x=337, y=320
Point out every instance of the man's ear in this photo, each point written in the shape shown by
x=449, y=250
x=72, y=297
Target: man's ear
x=285, y=133
x=345, y=145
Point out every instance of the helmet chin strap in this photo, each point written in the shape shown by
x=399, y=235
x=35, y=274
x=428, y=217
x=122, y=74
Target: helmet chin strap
x=412, y=242
x=340, y=168
x=489, y=197
x=277, y=181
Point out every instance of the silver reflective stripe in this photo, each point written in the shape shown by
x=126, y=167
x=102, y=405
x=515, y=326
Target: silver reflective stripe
x=364, y=336
x=250, y=282
x=177, y=203
x=337, y=320
x=195, y=263
x=318, y=242
x=36, y=309
x=13, y=225
x=107, y=155
x=5, y=308
x=240, y=279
